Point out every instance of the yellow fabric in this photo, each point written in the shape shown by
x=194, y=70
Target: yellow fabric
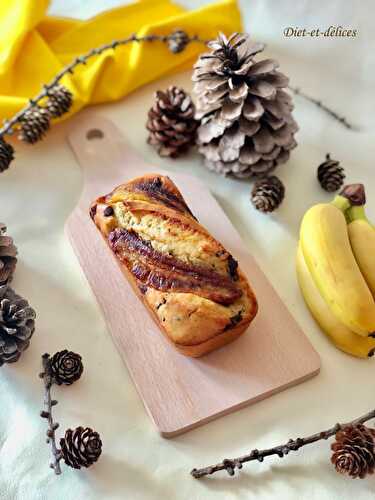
x=34, y=47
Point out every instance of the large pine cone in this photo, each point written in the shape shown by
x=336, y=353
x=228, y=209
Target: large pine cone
x=354, y=451
x=247, y=127
x=17, y=325
x=171, y=122
x=8, y=259
x=81, y=447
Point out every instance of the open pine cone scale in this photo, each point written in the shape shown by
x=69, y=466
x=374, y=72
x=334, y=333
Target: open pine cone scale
x=246, y=124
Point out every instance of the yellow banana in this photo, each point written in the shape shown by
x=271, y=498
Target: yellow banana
x=341, y=336
x=362, y=240
x=330, y=260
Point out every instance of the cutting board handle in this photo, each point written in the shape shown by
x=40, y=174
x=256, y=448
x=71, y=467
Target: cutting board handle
x=97, y=143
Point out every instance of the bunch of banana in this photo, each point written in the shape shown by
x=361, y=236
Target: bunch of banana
x=336, y=270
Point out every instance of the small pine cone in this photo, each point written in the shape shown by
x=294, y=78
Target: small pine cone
x=171, y=122
x=178, y=41
x=17, y=325
x=80, y=447
x=66, y=367
x=6, y=154
x=331, y=175
x=34, y=124
x=267, y=194
x=8, y=259
x=60, y=100
x=354, y=451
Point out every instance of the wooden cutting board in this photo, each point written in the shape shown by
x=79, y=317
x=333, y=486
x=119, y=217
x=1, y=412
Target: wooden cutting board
x=180, y=393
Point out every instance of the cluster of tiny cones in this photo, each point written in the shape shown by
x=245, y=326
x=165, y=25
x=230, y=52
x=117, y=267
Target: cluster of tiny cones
x=36, y=121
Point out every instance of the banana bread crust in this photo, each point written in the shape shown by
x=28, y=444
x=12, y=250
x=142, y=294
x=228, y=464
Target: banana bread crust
x=192, y=286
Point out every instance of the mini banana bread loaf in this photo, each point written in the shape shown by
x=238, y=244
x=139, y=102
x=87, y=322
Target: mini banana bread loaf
x=193, y=287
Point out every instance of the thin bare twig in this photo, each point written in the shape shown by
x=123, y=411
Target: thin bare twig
x=281, y=450
x=326, y=109
x=8, y=127
x=47, y=413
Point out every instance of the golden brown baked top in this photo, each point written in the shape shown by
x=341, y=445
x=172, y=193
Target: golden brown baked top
x=186, y=277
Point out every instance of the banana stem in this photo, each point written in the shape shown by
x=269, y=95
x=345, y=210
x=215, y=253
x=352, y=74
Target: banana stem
x=341, y=203
x=355, y=194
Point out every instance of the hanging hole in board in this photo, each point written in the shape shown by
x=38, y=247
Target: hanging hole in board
x=93, y=134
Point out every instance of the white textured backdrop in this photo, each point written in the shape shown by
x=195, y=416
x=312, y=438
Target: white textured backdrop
x=39, y=192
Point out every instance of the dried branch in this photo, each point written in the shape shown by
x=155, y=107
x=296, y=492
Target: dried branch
x=177, y=41
x=47, y=413
x=326, y=109
x=281, y=450
x=80, y=447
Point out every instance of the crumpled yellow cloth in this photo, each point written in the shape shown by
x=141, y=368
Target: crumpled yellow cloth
x=34, y=47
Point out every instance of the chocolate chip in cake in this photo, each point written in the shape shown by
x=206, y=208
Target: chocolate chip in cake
x=93, y=211
x=164, y=301
x=108, y=211
x=237, y=318
x=234, y=320
x=232, y=268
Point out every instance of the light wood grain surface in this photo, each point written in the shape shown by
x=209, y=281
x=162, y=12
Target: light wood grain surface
x=180, y=393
